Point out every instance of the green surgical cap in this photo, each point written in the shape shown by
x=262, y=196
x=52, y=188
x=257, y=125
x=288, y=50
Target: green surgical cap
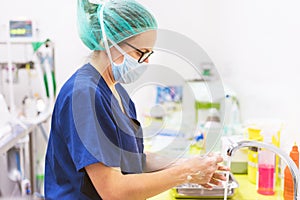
x=122, y=20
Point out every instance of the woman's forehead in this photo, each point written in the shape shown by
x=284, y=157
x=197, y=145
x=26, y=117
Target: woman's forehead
x=144, y=40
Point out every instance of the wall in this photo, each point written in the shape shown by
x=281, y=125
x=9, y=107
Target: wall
x=254, y=45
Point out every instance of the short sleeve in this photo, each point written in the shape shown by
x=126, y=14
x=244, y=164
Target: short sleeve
x=89, y=129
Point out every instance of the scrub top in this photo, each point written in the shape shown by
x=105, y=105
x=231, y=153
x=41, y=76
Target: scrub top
x=88, y=126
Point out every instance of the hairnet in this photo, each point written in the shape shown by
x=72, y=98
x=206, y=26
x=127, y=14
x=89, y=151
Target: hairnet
x=122, y=20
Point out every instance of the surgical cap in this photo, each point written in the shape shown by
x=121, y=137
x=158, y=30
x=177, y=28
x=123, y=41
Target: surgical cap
x=122, y=20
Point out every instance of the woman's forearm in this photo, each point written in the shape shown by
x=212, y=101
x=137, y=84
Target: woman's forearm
x=147, y=185
x=112, y=184
x=156, y=162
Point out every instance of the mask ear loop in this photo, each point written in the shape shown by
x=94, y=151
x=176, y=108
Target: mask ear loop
x=117, y=47
x=99, y=2
x=100, y=12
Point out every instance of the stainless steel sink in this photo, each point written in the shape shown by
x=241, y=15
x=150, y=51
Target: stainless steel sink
x=198, y=192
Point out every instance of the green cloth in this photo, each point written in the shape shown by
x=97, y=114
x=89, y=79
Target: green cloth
x=37, y=45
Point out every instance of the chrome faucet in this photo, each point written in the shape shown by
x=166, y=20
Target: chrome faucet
x=284, y=156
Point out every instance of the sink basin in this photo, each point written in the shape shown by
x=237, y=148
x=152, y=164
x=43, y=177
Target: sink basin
x=196, y=191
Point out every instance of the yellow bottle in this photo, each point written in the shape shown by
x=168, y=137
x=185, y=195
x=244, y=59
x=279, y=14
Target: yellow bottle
x=253, y=134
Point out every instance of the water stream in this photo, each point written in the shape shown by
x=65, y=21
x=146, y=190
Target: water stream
x=227, y=178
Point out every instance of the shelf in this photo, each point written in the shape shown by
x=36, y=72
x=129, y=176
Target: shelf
x=17, y=42
x=17, y=133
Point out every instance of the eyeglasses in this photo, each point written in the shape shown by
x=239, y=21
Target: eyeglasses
x=144, y=54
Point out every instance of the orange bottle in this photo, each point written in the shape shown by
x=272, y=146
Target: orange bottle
x=288, y=191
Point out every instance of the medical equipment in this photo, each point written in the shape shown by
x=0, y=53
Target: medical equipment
x=44, y=66
x=16, y=171
x=5, y=117
x=28, y=85
x=17, y=31
x=22, y=30
x=38, y=75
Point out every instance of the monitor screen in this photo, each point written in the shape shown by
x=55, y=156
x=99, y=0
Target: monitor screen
x=169, y=94
x=20, y=29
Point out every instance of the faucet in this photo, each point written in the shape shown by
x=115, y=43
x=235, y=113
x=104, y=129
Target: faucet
x=284, y=156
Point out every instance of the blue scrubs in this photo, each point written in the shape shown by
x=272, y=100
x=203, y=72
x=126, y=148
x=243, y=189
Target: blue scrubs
x=88, y=126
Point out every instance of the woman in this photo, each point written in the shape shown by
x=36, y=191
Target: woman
x=95, y=149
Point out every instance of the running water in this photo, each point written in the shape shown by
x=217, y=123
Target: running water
x=227, y=178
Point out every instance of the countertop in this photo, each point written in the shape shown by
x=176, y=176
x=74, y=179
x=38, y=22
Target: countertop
x=246, y=191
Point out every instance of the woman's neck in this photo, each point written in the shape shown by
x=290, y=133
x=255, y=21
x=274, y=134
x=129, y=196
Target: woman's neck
x=102, y=64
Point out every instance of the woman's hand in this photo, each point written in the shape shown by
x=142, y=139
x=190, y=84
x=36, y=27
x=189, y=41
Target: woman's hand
x=112, y=184
x=206, y=170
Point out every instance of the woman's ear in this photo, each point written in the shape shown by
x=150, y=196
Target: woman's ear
x=119, y=59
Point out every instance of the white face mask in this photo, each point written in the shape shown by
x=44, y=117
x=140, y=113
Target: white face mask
x=128, y=71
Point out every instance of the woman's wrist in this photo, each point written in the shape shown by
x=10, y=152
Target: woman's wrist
x=182, y=172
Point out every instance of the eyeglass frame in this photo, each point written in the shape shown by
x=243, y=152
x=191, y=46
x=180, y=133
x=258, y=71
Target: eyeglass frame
x=142, y=52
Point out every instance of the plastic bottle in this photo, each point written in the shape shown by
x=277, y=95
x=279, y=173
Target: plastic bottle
x=232, y=120
x=198, y=145
x=25, y=187
x=200, y=141
x=213, y=131
x=40, y=177
x=288, y=190
x=253, y=134
x=235, y=112
x=266, y=170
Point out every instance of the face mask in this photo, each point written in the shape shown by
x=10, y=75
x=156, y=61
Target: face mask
x=130, y=70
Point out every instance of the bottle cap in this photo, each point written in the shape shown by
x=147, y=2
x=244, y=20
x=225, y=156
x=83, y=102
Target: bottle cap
x=294, y=154
x=199, y=137
x=295, y=147
x=254, y=134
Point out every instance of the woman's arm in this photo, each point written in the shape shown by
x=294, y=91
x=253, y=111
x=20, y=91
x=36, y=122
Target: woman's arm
x=111, y=184
x=156, y=162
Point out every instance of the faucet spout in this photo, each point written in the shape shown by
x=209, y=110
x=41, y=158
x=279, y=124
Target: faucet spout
x=233, y=148
x=284, y=156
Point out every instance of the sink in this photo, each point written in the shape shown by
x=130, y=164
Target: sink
x=196, y=191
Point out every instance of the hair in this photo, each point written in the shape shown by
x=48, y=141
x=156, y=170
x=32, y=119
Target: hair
x=122, y=19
